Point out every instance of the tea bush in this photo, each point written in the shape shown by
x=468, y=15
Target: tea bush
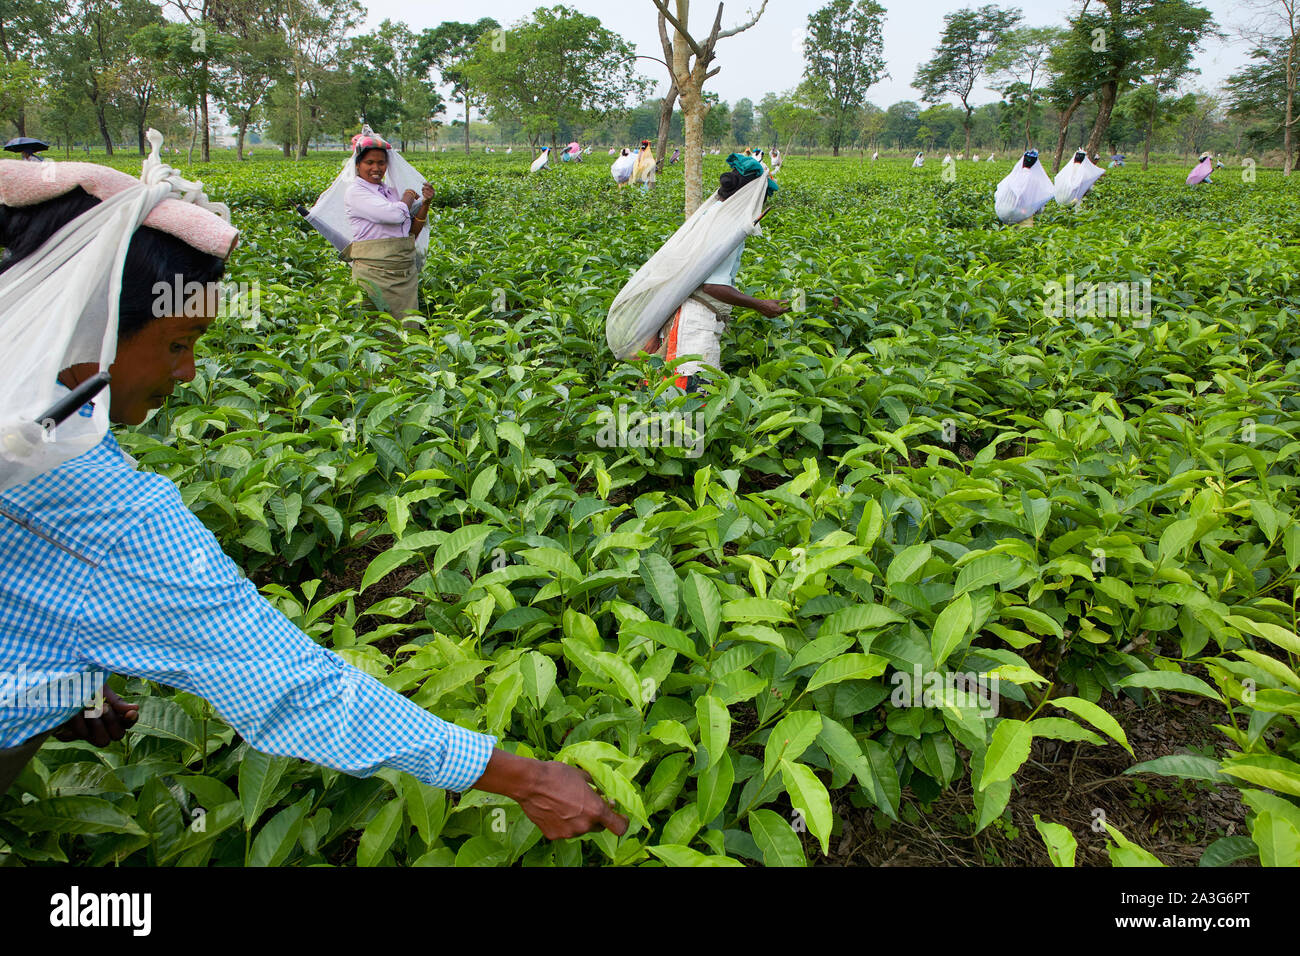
x=921, y=472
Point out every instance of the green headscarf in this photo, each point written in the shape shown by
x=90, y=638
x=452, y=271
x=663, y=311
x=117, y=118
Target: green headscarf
x=748, y=166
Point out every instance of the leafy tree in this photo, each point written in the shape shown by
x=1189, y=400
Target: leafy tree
x=559, y=67
x=446, y=48
x=259, y=57
x=1275, y=27
x=246, y=77
x=1114, y=45
x=717, y=121
x=23, y=25
x=90, y=49
x=844, y=58
x=1172, y=39
x=1260, y=92
x=203, y=17
x=942, y=121
x=1199, y=117
x=742, y=121
x=314, y=32
x=766, y=129
x=380, y=64
x=1021, y=64
x=902, y=122
x=969, y=38
x=182, y=55
x=871, y=124
x=1142, y=114
x=792, y=116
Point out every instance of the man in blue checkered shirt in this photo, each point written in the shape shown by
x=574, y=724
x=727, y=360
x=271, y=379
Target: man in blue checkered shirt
x=103, y=569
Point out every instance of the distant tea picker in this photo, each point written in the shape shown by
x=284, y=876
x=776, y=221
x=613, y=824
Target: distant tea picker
x=376, y=214
x=645, y=167
x=1201, y=173
x=678, y=303
x=1023, y=192
x=1075, y=179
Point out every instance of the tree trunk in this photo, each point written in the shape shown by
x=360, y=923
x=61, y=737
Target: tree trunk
x=467, y=120
x=665, y=123
x=1109, y=90
x=239, y=139
x=139, y=130
x=1151, y=127
x=103, y=128
x=1065, y=129
x=287, y=147
x=1029, y=112
x=968, y=112
x=207, y=156
x=693, y=112
x=1287, y=165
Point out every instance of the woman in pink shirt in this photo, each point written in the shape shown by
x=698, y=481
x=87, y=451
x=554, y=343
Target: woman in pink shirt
x=384, y=227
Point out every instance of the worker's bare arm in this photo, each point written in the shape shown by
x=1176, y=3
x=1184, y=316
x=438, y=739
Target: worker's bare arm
x=732, y=296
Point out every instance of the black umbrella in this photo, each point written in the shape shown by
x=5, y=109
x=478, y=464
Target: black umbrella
x=25, y=144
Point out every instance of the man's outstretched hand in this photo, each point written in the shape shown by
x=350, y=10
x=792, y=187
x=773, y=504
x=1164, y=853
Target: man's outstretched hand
x=111, y=725
x=556, y=797
x=772, y=307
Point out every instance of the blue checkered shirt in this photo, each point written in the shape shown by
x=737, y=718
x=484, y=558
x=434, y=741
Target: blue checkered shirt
x=103, y=568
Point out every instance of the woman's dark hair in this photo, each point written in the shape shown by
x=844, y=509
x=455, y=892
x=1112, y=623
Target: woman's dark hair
x=731, y=181
x=151, y=258
x=362, y=155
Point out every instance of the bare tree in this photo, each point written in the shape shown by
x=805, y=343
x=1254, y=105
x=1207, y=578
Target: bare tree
x=689, y=78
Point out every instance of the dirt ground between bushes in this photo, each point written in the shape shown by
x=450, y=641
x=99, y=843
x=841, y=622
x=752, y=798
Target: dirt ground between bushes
x=1065, y=783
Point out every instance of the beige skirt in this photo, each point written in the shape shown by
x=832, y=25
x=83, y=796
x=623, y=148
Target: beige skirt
x=385, y=269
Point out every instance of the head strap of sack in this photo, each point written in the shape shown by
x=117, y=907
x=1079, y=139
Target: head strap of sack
x=185, y=212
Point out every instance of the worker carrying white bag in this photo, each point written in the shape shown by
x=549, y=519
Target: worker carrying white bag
x=330, y=217
x=1076, y=178
x=678, y=303
x=1024, y=191
x=621, y=168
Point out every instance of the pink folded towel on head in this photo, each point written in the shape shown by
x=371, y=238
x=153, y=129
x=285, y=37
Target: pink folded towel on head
x=26, y=184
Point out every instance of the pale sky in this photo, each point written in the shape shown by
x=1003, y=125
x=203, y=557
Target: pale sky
x=767, y=57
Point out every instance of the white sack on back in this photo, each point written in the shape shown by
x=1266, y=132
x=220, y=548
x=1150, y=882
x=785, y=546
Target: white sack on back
x=1022, y=193
x=540, y=161
x=682, y=263
x=1075, y=179
x=59, y=307
x=329, y=217
x=621, y=170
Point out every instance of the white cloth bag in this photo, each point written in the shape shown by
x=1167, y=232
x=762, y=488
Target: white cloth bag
x=1022, y=193
x=1075, y=179
x=690, y=256
x=621, y=169
x=59, y=307
x=329, y=216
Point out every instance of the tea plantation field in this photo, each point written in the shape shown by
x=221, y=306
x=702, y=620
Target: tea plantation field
x=938, y=533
